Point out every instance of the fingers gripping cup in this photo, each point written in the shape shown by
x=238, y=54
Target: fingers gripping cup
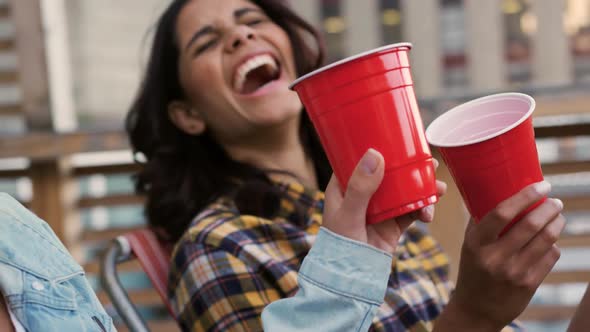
x=489, y=146
x=367, y=101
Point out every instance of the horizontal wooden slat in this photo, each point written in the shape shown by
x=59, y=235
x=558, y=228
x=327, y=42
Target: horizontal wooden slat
x=42, y=146
x=576, y=203
x=547, y=313
x=105, y=235
x=106, y=169
x=7, y=44
x=8, y=77
x=141, y=297
x=578, y=129
x=566, y=167
x=562, y=105
x=562, y=277
x=574, y=241
x=10, y=110
x=13, y=173
x=563, y=125
x=130, y=266
x=4, y=11
x=155, y=326
x=111, y=200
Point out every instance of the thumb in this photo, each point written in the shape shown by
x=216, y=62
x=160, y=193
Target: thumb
x=363, y=183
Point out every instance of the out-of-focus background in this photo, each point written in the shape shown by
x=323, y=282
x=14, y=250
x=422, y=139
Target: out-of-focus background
x=69, y=70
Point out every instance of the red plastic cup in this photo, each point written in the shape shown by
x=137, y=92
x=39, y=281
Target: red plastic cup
x=489, y=146
x=367, y=101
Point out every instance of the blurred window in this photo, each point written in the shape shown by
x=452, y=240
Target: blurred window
x=334, y=29
x=453, y=44
x=391, y=21
x=520, y=25
x=577, y=27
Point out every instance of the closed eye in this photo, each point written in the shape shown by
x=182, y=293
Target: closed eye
x=205, y=46
x=254, y=22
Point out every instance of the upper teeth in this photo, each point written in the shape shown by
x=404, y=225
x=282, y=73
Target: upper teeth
x=251, y=64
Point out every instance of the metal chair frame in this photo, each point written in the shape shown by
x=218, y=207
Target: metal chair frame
x=119, y=251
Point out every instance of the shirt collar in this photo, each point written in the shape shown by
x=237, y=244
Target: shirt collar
x=310, y=200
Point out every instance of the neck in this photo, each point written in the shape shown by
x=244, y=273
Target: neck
x=277, y=149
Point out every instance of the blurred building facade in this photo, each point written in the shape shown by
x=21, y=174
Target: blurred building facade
x=460, y=47
x=108, y=41
x=465, y=45
x=94, y=52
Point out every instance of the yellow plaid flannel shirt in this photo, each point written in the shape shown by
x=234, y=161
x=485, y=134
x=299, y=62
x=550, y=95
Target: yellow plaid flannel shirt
x=227, y=267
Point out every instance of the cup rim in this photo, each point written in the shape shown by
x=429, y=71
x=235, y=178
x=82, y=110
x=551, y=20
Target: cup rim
x=349, y=59
x=461, y=107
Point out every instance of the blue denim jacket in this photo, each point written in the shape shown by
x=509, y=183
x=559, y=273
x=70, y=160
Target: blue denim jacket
x=342, y=282
x=44, y=286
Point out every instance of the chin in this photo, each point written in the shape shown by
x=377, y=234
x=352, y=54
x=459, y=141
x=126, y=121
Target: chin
x=280, y=106
x=275, y=118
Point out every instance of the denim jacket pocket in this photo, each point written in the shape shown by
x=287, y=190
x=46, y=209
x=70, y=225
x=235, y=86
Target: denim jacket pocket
x=50, y=293
x=62, y=304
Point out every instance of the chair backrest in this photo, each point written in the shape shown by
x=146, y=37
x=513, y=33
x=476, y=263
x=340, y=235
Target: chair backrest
x=153, y=256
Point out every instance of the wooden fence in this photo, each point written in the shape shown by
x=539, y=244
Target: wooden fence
x=55, y=179
x=58, y=197
x=47, y=164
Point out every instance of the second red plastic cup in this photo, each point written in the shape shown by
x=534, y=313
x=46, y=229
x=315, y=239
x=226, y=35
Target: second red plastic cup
x=489, y=146
x=367, y=101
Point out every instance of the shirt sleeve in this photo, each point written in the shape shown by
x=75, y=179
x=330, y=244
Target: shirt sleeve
x=341, y=284
x=216, y=291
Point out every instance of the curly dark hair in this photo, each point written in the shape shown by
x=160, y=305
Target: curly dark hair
x=180, y=173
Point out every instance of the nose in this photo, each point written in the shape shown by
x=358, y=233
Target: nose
x=239, y=36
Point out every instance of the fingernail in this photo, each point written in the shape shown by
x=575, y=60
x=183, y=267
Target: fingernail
x=370, y=162
x=435, y=162
x=429, y=212
x=543, y=187
x=558, y=202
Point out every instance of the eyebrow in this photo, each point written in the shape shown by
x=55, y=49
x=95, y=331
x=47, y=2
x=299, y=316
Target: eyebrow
x=243, y=11
x=238, y=13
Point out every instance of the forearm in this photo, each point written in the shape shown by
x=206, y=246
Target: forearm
x=581, y=320
x=341, y=285
x=453, y=319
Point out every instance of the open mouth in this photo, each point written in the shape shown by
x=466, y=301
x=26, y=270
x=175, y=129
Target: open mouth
x=255, y=73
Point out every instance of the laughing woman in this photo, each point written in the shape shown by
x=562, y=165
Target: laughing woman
x=233, y=174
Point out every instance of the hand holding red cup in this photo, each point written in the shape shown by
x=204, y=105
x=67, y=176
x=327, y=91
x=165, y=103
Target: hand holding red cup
x=489, y=147
x=368, y=101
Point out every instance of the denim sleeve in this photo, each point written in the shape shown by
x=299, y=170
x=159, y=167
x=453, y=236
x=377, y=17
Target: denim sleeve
x=342, y=282
x=43, y=285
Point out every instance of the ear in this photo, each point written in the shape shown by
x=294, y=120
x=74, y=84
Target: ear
x=186, y=118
